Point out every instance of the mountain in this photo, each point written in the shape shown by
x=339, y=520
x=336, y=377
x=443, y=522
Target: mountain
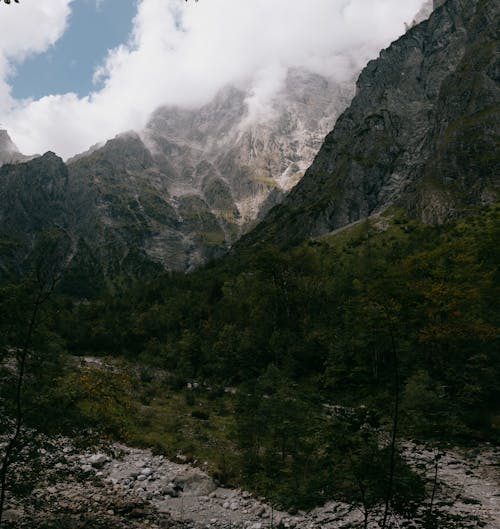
x=176, y=194
x=223, y=148
x=421, y=132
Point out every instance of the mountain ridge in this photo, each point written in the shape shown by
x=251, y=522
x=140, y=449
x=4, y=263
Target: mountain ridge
x=421, y=133
x=395, y=142
x=180, y=192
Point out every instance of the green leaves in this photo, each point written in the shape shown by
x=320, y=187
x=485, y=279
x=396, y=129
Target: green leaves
x=295, y=329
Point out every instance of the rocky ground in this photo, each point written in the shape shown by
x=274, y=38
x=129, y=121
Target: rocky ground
x=122, y=487
x=468, y=484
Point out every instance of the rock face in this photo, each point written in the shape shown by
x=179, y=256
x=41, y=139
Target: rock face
x=421, y=132
x=33, y=199
x=175, y=195
x=236, y=156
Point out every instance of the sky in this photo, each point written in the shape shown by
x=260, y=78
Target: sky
x=92, y=29
x=77, y=72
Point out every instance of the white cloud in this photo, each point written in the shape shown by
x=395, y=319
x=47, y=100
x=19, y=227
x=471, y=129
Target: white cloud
x=183, y=52
x=25, y=29
x=32, y=26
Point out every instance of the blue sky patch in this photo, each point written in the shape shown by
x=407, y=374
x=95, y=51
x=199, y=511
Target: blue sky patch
x=68, y=66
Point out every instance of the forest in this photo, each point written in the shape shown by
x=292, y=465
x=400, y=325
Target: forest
x=297, y=372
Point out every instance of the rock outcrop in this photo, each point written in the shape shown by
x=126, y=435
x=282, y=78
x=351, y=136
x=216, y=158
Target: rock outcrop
x=421, y=132
x=235, y=158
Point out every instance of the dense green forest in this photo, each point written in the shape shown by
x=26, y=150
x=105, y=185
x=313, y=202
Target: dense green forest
x=333, y=313
x=287, y=369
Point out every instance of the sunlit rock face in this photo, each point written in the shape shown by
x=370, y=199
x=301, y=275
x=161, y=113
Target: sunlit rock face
x=238, y=158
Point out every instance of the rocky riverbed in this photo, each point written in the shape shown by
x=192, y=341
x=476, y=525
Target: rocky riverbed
x=123, y=487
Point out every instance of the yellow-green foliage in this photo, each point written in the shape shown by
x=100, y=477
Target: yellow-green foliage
x=145, y=411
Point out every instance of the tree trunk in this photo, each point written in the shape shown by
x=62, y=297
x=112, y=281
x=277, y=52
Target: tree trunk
x=395, y=419
x=7, y=459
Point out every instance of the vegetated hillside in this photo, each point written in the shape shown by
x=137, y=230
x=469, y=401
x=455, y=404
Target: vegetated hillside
x=295, y=360
x=172, y=197
x=319, y=340
x=421, y=132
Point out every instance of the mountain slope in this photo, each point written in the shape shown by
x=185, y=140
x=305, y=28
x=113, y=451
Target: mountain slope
x=421, y=132
x=33, y=200
x=176, y=195
x=253, y=153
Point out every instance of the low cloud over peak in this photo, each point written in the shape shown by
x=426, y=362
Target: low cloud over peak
x=182, y=53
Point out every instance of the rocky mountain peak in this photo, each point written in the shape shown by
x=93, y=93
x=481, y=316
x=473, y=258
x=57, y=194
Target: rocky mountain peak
x=256, y=156
x=127, y=151
x=48, y=164
x=421, y=132
x=6, y=143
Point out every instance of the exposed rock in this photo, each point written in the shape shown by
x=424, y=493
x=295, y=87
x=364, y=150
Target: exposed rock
x=173, y=197
x=195, y=482
x=98, y=460
x=421, y=132
x=468, y=486
x=237, y=161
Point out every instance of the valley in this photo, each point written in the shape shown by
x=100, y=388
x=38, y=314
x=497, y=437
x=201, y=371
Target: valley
x=278, y=316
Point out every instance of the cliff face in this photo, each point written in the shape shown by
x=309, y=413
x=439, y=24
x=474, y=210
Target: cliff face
x=175, y=195
x=33, y=198
x=421, y=132
x=251, y=155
